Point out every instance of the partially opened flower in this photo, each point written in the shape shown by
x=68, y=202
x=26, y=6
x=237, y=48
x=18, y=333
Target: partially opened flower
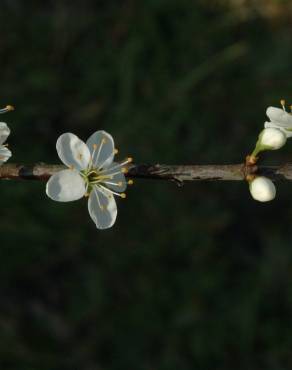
x=280, y=119
x=269, y=139
x=5, y=153
x=91, y=173
x=262, y=189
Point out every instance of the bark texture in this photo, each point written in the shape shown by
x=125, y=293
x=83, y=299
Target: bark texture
x=178, y=173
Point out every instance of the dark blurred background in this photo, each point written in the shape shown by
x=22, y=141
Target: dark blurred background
x=197, y=277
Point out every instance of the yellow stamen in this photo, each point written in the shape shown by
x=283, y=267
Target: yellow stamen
x=130, y=182
x=94, y=146
x=8, y=108
x=124, y=170
x=119, y=165
x=283, y=103
x=112, y=183
x=116, y=151
x=123, y=195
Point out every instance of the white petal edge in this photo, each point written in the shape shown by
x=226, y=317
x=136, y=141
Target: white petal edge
x=65, y=186
x=5, y=154
x=72, y=151
x=104, y=153
x=4, y=132
x=279, y=116
x=102, y=208
x=287, y=132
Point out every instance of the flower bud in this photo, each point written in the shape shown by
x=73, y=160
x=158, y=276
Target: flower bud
x=262, y=189
x=272, y=138
x=269, y=139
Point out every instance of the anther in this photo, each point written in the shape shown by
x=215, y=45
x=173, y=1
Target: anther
x=130, y=159
x=8, y=108
x=94, y=146
x=283, y=103
x=123, y=195
x=116, y=151
x=124, y=170
x=130, y=182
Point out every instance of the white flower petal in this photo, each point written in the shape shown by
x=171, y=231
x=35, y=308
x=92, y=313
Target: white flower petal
x=5, y=154
x=117, y=182
x=102, y=208
x=280, y=117
x=4, y=132
x=101, y=146
x=73, y=151
x=270, y=124
x=262, y=189
x=287, y=132
x=65, y=186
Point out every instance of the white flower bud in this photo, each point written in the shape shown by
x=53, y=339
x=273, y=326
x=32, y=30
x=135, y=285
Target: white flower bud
x=271, y=139
x=262, y=189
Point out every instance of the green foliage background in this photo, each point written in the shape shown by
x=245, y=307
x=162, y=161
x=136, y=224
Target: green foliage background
x=197, y=277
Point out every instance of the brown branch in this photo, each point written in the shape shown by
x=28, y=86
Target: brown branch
x=178, y=173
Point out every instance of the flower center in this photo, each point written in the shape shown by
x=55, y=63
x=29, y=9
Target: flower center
x=107, y=179
x=93, y=176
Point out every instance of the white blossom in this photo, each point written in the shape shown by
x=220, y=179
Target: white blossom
x=91, y=173
x=280, y=119
x=262, y=189
x=5, y=153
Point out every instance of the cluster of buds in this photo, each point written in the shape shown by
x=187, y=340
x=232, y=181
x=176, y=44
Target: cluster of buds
x=272, y=137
